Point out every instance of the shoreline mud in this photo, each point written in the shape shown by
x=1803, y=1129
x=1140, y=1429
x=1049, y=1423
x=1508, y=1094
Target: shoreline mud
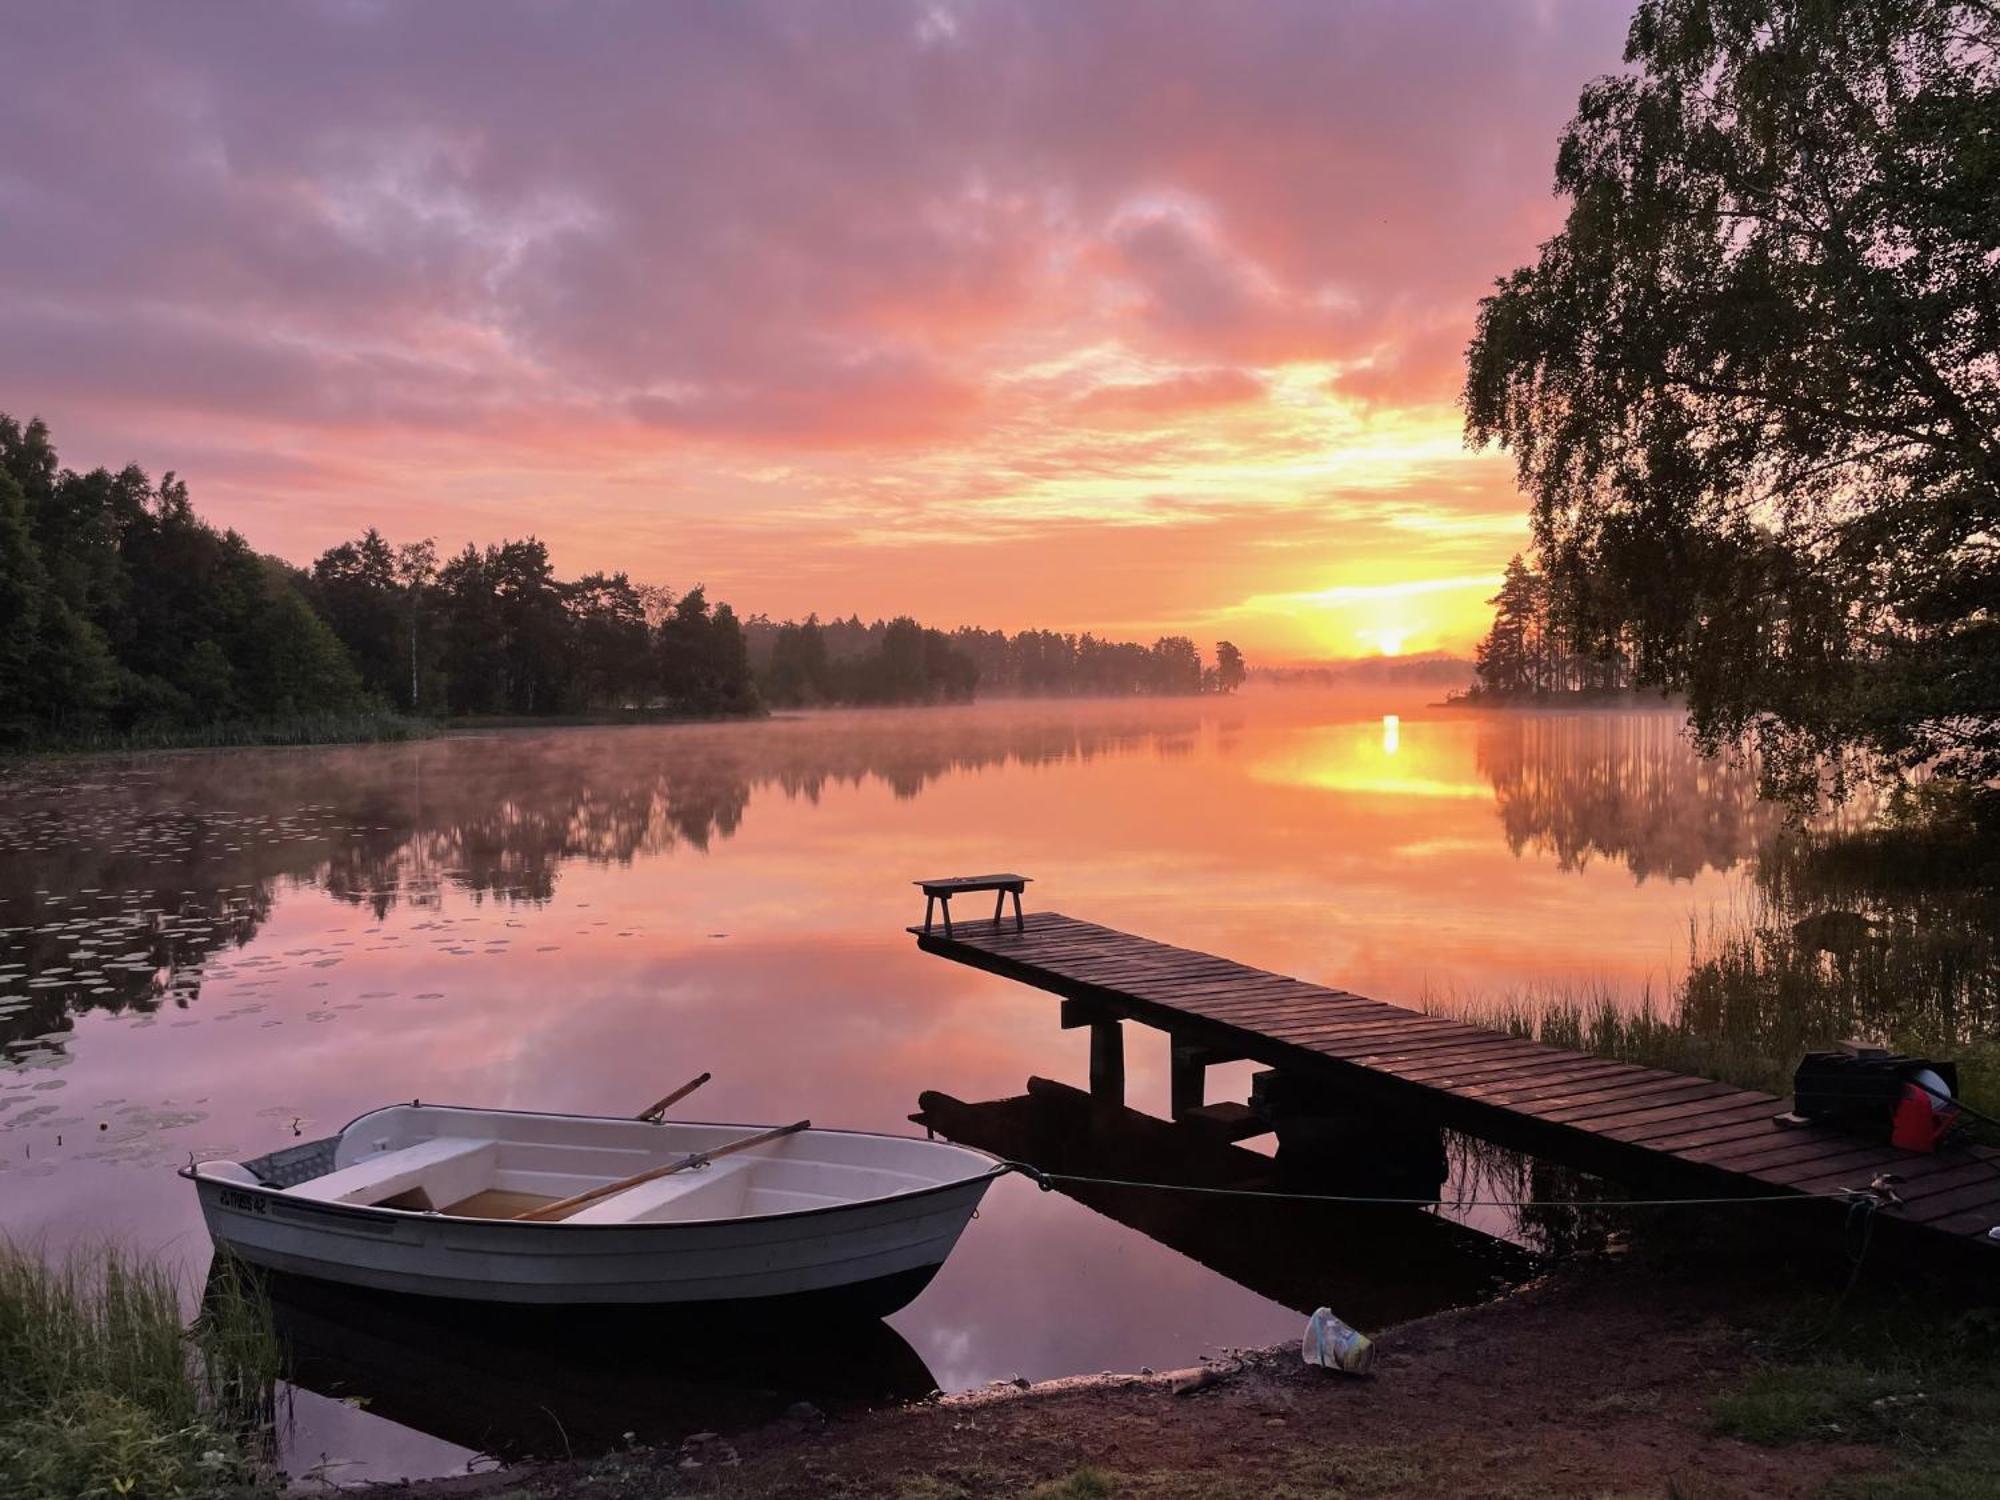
x=1604, y=1378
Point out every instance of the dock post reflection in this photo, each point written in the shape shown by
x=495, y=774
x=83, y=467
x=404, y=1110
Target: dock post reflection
x=1367, y=1146
x=1378, y=1264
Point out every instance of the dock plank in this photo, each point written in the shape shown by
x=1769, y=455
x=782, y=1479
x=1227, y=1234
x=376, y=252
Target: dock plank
x=1652, y=1115
x=1647, y=1125
x=1620, y=1087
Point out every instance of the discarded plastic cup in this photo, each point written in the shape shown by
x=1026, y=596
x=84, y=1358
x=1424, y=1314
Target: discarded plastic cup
x=1332, y=1345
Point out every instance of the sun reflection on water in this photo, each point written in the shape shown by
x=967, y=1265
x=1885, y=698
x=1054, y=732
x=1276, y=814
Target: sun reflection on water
x=1375, y=759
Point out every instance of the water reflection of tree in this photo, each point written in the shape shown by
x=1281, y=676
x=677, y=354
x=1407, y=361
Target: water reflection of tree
x=122, y=880
x=1552, y=1209
x=501, y=815
x=112, y=899
x=1625, y=786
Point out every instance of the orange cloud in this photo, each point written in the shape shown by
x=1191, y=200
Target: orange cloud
x=1196, y=390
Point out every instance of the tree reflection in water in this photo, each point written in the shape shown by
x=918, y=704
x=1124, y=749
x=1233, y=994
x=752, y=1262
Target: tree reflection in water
x=1623, y=786
x=129, y=881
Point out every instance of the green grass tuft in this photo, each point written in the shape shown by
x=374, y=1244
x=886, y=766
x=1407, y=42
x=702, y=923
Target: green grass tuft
x=103, y=1393
x=1834, y=1400
x=1084, y=1484
x=1898, y=1373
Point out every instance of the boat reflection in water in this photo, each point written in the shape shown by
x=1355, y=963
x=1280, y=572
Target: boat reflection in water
x=1374, y=1265
x=518, y=1383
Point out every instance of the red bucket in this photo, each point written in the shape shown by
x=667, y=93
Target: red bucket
x=1921, y=1120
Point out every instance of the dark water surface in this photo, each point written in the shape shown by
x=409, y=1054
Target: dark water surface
x=218, y=953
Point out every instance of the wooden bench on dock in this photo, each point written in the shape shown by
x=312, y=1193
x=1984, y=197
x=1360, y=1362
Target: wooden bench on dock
x=1659, y=1132
x=938, y=893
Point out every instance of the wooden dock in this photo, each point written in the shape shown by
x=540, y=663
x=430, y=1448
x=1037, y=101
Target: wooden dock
x=1662, y=1134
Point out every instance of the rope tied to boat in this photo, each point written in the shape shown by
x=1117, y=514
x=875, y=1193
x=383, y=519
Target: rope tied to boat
x=1862, y=1202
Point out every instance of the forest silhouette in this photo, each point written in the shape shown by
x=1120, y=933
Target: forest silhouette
x=124, y=614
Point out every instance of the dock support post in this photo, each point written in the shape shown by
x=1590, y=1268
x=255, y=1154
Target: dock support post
x=1107, y=1047
x=1187, y=1078
x=1107, y=1061
x=1329, y=1137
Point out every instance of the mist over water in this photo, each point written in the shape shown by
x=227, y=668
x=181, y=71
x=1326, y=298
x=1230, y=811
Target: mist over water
x=219, y=953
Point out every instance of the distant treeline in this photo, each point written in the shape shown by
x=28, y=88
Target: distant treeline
x=123, y=613
x=1426, y=669
x=800, y=663
x=1529, y=655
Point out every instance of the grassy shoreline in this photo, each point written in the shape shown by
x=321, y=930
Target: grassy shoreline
x=1743, y=1372
x=300, y=730
x=333, y=729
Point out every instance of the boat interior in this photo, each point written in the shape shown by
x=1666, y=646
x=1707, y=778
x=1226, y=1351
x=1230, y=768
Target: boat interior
x=489, y=1164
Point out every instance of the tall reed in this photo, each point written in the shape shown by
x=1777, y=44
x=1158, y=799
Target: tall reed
x=1763, y=987
x=104, y=1392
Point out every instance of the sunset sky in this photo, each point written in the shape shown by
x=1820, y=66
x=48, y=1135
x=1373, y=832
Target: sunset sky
x=1127, y=317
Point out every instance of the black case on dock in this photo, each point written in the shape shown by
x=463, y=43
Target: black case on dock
x=1858, y=1088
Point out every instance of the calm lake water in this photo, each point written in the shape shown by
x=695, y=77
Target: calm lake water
x=219, y=953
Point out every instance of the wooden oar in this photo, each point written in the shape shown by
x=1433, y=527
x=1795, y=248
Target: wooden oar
x=655, y=1110
x=562, y=1206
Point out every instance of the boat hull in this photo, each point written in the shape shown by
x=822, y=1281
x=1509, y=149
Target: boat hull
x=821, y=1217
x=869, y=1256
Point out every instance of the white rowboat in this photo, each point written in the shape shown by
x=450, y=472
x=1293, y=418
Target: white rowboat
x=422, y=1199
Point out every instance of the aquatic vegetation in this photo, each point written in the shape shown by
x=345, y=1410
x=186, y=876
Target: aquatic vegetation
x=1762, y=989
x=104, y=1392
x=1889, y=933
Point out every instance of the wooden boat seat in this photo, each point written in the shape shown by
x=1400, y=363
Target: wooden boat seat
x=653, y=1200
x=430, y=1174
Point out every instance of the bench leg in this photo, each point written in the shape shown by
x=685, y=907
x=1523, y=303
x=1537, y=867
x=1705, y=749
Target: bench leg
x=929, y=902
x=999, y=904
x=1020, y=924
x=945, y=902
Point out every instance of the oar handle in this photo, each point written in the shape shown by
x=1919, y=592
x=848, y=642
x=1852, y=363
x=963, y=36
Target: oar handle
x=564, y=1206
x=659, y=1107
